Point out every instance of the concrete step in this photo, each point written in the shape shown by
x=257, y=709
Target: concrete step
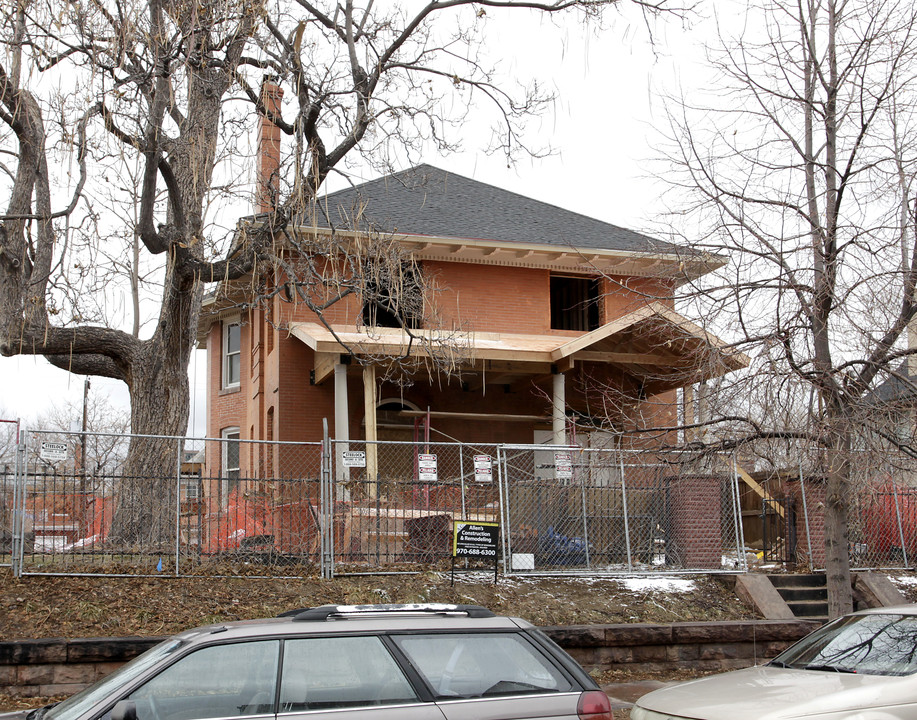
x=809, y=610
x=801, y=594
x=805, y=595
x=809, y=580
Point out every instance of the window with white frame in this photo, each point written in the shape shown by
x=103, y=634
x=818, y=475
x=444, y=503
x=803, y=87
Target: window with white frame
x=230, y=462
x=232, y=353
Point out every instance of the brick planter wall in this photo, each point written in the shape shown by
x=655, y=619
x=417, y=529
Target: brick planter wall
x=695, y=527
x=815, y=504
x=32, y=668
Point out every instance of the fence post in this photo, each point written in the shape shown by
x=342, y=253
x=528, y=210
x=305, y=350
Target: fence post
x=178, y=450
x=900, y=530
x=630, y=561
x=585, y=520
x=19, y=486
x=737, y=517
x=325, y=494
x=502, y=498
x=461, y=452
x=805, y=512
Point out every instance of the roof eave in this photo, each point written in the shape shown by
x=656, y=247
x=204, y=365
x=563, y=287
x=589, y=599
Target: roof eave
x=680, y=267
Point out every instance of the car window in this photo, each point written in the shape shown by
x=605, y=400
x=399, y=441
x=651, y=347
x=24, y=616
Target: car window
x=482, y=665
x=883, y=644
x=232, y=680
x=339, y=672
x=77, y=705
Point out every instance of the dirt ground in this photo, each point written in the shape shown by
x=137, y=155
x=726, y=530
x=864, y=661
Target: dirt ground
x=50, y=606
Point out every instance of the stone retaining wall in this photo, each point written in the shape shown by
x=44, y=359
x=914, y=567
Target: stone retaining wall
x=32, y=668
x=698, y=645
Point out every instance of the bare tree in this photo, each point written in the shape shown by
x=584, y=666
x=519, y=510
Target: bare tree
x=96, y=429
x=94, y=93
x=800, y=167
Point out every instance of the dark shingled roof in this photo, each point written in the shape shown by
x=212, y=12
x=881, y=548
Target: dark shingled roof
x=428, y=201
x=895, y=389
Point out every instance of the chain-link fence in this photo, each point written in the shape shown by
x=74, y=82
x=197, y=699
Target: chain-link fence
x=9, y=458
x=87, y=503
x=883, y=517
x=7, y=503
x=87, y=506
x=396, y=501
x=614, y=511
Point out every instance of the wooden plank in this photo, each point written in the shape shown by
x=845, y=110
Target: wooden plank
x=606, y=330
x=754, y=485
x=324, y=366
x=473, y=416
x=630, y=358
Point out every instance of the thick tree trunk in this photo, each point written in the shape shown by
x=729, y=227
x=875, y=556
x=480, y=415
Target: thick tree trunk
x=837, y=549
x=145, y=510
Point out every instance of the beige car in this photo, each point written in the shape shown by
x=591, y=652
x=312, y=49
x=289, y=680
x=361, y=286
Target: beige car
x=859, y=667
x=369, y=662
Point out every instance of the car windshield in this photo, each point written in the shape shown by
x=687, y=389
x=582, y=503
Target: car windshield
x=75, y=706
x=884, y=644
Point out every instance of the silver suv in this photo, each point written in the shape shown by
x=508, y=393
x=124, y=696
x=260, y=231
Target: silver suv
x=373, y=662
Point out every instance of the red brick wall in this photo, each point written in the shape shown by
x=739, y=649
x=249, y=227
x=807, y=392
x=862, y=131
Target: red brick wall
x=491, y=298
x=696, y=511
x=815, y=505
x=624, y=295
x=475, y=297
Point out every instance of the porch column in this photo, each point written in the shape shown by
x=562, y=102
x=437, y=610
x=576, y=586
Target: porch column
x=369, y=412
x=341, y=420
x=558, y=410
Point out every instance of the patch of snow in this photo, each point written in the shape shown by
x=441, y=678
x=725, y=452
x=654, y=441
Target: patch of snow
x=909, y=580
x=658, y=584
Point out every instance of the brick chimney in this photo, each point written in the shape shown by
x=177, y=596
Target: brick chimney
x=268, y=177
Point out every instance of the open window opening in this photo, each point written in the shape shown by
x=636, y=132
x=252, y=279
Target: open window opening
x=575, y=303
x=393, y=299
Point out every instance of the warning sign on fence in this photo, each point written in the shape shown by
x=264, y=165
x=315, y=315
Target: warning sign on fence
x=426, y=468
x=354, y=458
x=563, y=465
x=53, y=451
x=483, y=469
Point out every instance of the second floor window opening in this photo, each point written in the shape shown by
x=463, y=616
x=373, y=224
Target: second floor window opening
x=574, y=303
x=393, y=298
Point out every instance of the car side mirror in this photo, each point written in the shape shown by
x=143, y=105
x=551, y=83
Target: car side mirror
x=124, y=710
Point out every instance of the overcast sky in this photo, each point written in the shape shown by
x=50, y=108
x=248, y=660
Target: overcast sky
x=602, y=129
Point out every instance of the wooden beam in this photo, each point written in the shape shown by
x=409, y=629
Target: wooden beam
x=629, y=358
x=474, y=416
x=369, y=428
x=324, y=366
x=606, y=330
x=754, y=485
x=516, y=368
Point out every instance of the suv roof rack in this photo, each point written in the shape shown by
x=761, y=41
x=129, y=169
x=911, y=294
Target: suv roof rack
x=343, y=612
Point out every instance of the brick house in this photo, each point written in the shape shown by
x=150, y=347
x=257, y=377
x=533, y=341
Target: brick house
x=566, y=326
